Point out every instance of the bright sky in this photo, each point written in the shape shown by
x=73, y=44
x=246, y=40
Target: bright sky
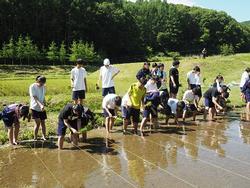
x=238, y=9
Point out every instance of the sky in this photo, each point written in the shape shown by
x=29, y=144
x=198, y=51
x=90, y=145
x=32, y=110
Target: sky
x=238, y=9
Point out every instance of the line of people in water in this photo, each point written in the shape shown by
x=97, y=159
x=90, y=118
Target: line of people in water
x=149, y=95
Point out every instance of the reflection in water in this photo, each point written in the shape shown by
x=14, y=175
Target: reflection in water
x=136, y=168
x=140, y=161
x=190, y=144
x=245, y=116
x=213, y=136
x=244, y=132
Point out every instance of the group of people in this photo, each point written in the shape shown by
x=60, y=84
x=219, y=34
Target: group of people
x=151, y=94
x=146, y=97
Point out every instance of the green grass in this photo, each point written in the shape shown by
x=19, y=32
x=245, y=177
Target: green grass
x=15, y=81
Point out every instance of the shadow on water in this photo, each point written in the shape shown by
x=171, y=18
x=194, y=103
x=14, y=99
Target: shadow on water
x=50, y=144
x=96, y=145
x=175, y=130
x=100, y=146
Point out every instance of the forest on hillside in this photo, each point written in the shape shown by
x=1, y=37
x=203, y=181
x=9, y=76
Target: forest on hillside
x=63, y=30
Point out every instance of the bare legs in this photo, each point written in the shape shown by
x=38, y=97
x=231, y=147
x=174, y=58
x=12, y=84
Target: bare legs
x=39, y=122
x=13, y=134
x=109, y=123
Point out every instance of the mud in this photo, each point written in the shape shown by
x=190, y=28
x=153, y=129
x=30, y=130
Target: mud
x=204, y=154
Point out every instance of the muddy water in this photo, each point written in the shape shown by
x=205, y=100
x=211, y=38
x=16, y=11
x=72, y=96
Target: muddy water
x=206, y=154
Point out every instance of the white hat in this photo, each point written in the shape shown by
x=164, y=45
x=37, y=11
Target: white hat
x=106, y=62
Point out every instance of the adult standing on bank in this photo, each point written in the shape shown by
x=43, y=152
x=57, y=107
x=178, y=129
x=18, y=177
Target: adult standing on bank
x=37, y=105
x=107, y=75
x=78, y=82
x=174, y=79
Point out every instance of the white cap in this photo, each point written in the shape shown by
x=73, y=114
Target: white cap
x=106, y=62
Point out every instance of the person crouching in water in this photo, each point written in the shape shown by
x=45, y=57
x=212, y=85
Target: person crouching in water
x=11, y=115
x=110, y=104
x=211, y=101
x=152, y=101
x=191, y=99
x=175, y=108
x=68, y=118
x=132, y=103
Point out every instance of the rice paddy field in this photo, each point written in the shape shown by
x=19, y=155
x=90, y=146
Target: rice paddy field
x=201, y=154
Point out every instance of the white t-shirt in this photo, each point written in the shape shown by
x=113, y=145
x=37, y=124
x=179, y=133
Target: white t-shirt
x=191, y=77
x=125, y=100
x=189, y=97
x=172, y=103
x=107, y=74
x=39, y=92
x=109, y=101
x=78, y=75
x=244, y=78
x=151, y=87
x=198, y=79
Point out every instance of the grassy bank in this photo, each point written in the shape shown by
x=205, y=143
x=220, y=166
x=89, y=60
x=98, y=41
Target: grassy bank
x=15, y=81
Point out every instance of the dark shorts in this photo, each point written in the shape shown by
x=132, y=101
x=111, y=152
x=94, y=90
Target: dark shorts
x=61, y=130
x=106, y=114
x=147, y=111
x=127, y=113
x=173, y=89
x=209, y=103
x=190, y=107
x=78, y=95
x=108, y=90
x=39, y=115
x=247, y=97
x=8, y=120
x=168, y=110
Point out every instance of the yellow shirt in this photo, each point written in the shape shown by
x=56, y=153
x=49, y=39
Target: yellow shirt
x=136, y=95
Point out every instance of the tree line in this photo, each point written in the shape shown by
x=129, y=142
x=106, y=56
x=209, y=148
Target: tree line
x=62, y=30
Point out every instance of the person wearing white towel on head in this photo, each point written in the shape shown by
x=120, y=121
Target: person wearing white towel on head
x=107, y=75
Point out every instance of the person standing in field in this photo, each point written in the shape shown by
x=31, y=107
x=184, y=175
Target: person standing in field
x=37, y=105
x=244, y=78
x=193, y=80
x=107, y=75
x=198, y=84
x=144, y=73
x=204, y=53
x=162, y=75
x=245, y=88
x=174, y=79
x=78, y=82
x=191, y=77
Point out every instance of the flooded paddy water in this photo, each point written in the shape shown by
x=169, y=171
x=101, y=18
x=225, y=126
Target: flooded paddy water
x=206, y=154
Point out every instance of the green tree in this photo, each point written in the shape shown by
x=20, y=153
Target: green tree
x=20, y=49
x=52, y=53
x=62, y=53
x=31, y=51
x=4, y=53
x=10, y=50
x=84, y=51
